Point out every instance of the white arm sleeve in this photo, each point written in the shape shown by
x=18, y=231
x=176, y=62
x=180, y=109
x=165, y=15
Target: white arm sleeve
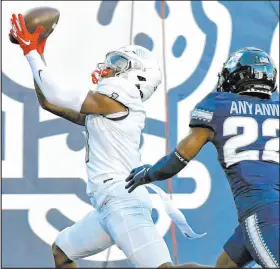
x=55, y=94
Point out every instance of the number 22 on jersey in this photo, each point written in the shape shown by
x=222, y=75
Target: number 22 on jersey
x=249, y=136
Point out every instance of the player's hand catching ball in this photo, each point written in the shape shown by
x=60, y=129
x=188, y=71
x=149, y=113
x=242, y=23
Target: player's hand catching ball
x=138, y=176
x=26, y=40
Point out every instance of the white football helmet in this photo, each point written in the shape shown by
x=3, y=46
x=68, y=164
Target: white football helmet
x=136, y=64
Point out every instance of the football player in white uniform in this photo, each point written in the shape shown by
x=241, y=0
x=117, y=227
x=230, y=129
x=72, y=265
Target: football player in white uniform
x=114, y=117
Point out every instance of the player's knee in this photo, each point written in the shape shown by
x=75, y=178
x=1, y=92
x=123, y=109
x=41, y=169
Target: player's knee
x=224, y=261
x=60, y=258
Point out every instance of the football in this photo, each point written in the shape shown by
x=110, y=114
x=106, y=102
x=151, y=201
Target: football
x=46, y=16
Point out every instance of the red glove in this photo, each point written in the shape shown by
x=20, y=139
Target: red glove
x=41, y=46
x=95, y=75
x=26, y=40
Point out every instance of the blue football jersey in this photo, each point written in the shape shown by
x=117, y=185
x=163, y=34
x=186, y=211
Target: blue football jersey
x=247, y=140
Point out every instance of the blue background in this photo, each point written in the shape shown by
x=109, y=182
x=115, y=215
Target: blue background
x=253, y=24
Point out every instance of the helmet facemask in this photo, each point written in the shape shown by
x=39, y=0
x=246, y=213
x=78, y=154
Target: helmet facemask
x=120, y=63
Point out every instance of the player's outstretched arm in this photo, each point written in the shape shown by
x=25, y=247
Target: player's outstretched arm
x=84, y=101
x=75, y=117
x=173, y=163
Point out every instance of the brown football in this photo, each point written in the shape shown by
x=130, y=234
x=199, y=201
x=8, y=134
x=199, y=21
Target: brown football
x=46, y=16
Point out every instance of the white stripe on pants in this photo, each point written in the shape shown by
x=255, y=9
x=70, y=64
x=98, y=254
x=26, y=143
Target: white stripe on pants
x=257, y=241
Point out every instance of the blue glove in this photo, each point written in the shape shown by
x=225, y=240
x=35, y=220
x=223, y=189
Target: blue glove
x=138, y=176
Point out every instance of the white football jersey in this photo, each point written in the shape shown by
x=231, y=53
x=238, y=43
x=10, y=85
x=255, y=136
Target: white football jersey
x=113, y=145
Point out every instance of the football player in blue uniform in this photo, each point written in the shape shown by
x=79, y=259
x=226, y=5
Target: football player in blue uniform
x=242, y=121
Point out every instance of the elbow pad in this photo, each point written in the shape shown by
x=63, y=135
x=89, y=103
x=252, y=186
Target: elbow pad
x=53, y=91
x=167, y=167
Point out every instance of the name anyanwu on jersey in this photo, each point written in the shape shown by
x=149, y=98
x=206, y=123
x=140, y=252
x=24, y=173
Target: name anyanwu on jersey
x=244, y=107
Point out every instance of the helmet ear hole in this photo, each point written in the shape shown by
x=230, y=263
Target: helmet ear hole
x=141, y=78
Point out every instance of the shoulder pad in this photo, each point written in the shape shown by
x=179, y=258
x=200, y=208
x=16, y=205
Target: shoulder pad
x=119, y=89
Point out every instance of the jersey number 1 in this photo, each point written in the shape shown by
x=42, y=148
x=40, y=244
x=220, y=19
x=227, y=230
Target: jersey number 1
x=249, y=136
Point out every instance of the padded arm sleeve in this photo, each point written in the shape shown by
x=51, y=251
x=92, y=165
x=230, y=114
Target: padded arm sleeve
x=55, y=93
x=167, y=167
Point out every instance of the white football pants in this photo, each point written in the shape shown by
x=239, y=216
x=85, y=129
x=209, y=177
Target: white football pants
x=124, y=219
